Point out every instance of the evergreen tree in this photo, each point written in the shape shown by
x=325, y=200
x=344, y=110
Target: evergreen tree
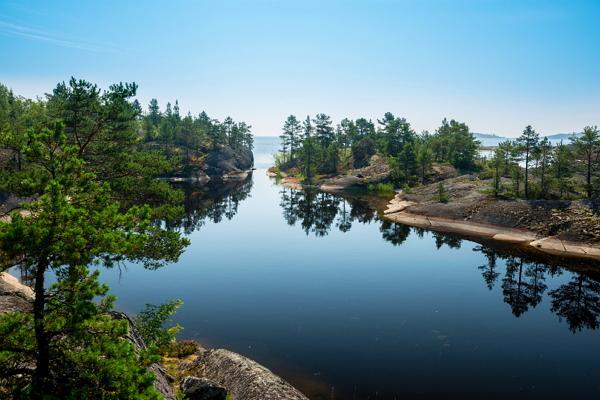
x=562, y=167
x=543, y=169
x=588, y=147
x=74, y=223
x=308, y=150
x=291, y=136
x=528, y=141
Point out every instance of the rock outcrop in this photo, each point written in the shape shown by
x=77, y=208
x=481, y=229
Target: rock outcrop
x=553, y=227
x=243, y=378
x=377, y=171
x=227, y=163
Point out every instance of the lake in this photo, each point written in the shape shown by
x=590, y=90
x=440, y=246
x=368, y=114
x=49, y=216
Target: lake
x=343, y=305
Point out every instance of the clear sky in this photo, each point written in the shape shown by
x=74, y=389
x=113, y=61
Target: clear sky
x=497, y=65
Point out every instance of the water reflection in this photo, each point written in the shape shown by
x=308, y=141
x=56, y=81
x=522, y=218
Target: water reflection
x=520, y=277
x=578, y=302
x=210, y=202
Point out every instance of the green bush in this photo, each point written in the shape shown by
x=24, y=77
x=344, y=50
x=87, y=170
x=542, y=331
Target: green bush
x=151, y=322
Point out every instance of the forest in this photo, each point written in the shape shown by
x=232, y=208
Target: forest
x=79, y=185
x=528, y=167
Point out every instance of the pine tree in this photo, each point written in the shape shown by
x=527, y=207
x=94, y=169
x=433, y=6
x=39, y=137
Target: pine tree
x=528, y=141
x=588, y=146
x=562, y=167
x=73, y=222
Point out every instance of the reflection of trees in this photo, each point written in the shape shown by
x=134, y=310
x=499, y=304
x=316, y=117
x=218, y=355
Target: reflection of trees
x=317, y=211
x=211, y=201
x=524, y=279
x=441, y=239
x=394, y=233
x=344, y=222
x=488, y=271
x=578, y=302
x=522, y=285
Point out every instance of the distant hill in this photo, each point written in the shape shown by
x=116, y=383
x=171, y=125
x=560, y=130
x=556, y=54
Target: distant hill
x=490, y=139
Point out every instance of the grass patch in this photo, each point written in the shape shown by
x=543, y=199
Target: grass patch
x=381, y=188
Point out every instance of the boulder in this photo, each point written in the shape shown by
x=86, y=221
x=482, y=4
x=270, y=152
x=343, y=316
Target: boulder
x=243, y=378
x=195, y=388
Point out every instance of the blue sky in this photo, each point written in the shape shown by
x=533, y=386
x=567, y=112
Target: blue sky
x=497, y=65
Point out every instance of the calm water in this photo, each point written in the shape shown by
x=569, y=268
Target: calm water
x=345, y=306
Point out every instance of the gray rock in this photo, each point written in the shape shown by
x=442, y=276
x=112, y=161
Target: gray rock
x=244, y=378
x=226, y=161
x=195, y=388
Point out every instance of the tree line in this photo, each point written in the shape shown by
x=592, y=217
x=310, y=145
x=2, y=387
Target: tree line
x=317, y=147
x=535, y=168
x=113, y=134
x=193, y=132
x=538, y=169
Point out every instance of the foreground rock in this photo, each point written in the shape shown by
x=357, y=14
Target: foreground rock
x=244, y=379
x=195, y=388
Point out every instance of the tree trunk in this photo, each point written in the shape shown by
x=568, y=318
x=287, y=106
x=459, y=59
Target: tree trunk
x=43, y=349
x=527, y=174
x=589, y=176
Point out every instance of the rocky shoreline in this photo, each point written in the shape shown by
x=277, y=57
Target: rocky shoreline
x=564, y=229
x=211, y=374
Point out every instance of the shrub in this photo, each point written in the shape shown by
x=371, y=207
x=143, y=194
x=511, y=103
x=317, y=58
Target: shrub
x=381, y=188
x=442, y=193
x=151, y=322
